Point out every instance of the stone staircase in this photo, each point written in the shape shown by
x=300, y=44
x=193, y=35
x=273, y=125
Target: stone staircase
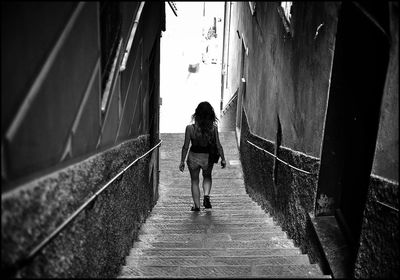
x=234, y=239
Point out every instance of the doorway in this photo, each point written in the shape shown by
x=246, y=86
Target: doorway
x=357, y=83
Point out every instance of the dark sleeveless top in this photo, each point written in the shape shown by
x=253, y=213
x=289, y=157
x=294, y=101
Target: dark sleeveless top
x=198, y=148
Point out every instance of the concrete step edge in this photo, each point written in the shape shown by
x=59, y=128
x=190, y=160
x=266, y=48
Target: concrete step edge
x=315, y=271
x=217, y=261
x=194, y=257
x=216, y=249
x=214, y=277
x=213, y=235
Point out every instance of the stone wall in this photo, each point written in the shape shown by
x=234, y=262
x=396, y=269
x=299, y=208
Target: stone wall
x=97, y=241
x=287, y=194
x=379, y=252
x=287, y=75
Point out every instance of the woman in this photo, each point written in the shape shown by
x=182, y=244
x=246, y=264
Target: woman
x=202, y=133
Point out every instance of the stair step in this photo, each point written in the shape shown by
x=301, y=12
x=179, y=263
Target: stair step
x=222, y=205
x=185, y=191
x=214, y=196
x=221, y=196
x=138, y=261
x=207, y=229
x=239, y=252
x=212, y=214
x=214, y=200
x=228, y=218
x=225, y=223
x=222, y=202
x=212, y=227
x=150, y=237
x=217, y=220
x=176, y=219
x=220, y=190
x=219, y=206
x=215, y=210
x=231, y=271
x=274, y=242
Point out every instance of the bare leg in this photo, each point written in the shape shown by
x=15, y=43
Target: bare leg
x=207, y=181
x=194, y=176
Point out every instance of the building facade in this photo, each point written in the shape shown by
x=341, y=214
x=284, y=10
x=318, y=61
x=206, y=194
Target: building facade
x=80, y=103
x=311, y=89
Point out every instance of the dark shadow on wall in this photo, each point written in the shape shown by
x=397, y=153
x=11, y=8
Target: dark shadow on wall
x=357, y=83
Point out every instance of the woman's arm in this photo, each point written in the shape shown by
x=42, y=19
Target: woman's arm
x=220, y=149
x=185, y=148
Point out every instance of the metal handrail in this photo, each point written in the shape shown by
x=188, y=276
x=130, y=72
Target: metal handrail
x=80, y=209
x=387, y=205
x=284, y=162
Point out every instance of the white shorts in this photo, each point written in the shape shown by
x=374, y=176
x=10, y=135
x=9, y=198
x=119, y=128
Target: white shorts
x=199, y=160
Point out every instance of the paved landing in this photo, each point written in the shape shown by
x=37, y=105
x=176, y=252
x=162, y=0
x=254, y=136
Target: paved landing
x=234, y=239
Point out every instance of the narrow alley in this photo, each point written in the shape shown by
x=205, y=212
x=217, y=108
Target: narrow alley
x=234, y=239
x=95, y=99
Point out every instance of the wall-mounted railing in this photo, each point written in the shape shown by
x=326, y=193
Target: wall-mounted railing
x=284, y=162
x=387, y=206
x=19, y=264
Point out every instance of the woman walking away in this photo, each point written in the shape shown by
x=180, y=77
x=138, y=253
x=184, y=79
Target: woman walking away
x=203, y=134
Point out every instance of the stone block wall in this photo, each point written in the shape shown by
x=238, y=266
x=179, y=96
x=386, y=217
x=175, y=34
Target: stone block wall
x=96, y=242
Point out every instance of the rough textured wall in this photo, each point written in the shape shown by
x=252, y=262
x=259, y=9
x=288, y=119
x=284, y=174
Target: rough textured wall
x=286, y=75
x=379, y=251
x=282, y=191
x=96, y=242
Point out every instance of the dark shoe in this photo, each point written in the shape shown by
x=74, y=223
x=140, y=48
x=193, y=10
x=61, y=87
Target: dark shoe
x=206, y=202
x=195, y=209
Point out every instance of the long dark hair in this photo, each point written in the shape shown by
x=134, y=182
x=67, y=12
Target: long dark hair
x=205, y=118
